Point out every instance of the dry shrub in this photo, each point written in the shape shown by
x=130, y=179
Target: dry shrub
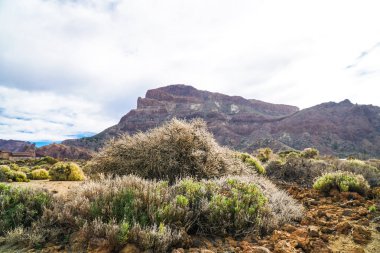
x=177, y=149
x=155, y=215
x=296, y=169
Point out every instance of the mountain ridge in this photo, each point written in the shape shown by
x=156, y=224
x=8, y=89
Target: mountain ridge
x=246, y=124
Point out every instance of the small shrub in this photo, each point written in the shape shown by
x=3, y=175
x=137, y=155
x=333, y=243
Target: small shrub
x=264, y=154
x=24, y=169
x=19, y=176
x=19, y=207
x=14, y=166
x=369, y=172
x=48, y=160
x=66, y=171
x=342, y=181
x=286, y=153
x=39, y=174
x=372, y=209
x=5, y=173
x=252, y=163
x=310, y=153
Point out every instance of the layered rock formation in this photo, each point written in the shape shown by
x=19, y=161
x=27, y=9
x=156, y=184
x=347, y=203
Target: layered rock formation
x=246, y=124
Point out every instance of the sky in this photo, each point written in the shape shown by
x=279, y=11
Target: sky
x=71, y=68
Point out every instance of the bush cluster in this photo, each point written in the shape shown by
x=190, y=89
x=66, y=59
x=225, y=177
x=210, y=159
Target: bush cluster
x=369, y=172
x=264, y=154
x=310, y=153
x=177, y=149
x=66, y=171
x=9, y=175
x=342, y=181
x=155, y=215
x=20, y=207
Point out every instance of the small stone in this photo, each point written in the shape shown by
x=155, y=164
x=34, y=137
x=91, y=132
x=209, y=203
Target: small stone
x=206, y=251
x=179, y=250
x=258, y=249
x=343, y=227
x=130, y=248
x=361, y=235
x=313, y=231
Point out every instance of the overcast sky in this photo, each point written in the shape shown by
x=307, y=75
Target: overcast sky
x=73, y=67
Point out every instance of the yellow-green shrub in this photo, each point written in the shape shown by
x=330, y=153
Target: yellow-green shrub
x=310, y=153
x=66, y=171
x=264, y=154
x=253, y=163
x=342, y=181
x=39, y=174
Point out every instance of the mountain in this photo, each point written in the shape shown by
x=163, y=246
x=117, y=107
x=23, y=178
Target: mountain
x=16, y=146
x=246, y=124
x=61, y=151
x=228, y=117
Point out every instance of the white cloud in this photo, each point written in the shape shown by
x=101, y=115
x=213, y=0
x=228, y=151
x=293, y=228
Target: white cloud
x=109, y=52
x=37, y=116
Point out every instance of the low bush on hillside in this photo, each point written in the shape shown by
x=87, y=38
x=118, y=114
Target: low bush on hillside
x=177, y=149
x=252, y=163
x=155, y=215
x=38, y=174
x=66, y=171
x=342, y=181
x=264, y=154
x=369, y=172
x=20, y=207
x=298, y=170
x=310, y=153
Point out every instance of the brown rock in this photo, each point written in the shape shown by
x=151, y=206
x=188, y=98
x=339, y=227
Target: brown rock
x=284, y=246
x=130, y=248
x=313, y=231
x=361, y=235
x=206, y=251
x=257, y=249
x=179, y=250
x=343, y=227
x=289, y=228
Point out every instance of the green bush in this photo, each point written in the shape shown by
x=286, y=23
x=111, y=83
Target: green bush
x=264, y=154
x=252, y=163
x=8, y=175
x=14, y=167
x=24, y=169
x=155, y=215
x=66, y=171
x=310, y=153
x=47, y=160
x=342, y=181
x=39, y=174
x=20, y=207
x=177, y=149
x=286, y=153
x=369, y=172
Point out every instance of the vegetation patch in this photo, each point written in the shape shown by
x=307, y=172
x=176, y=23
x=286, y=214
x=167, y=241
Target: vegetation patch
x=177, y=149
x=39, y=174
x=252, y=163
x=66, y=171
x=342, y=181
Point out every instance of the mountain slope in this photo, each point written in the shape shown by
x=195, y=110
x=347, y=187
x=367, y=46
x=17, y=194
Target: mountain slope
x=16, y=146
x=246, y=124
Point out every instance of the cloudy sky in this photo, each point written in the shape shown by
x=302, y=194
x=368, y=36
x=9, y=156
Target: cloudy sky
x=73, y=67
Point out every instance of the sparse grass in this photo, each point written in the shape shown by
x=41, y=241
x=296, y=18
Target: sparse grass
x=66, y=171
x=342, y=181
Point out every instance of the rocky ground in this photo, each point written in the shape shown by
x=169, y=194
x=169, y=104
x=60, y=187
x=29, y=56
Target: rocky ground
x=340, y=222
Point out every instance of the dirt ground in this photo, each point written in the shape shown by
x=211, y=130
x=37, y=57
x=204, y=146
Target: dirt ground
x=57, y=188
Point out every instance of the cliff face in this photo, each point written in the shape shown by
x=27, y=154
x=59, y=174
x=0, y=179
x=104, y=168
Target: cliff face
x=246, y=124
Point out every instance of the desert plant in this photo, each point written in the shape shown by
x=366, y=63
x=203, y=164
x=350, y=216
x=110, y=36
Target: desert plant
x=177, y=149
x=24, y=169
x=369, y=172
x=310, y=153
x=342, y=181
x=372, y=208
x=20, y=207
x=39, y=174
x=155, y=215
x=252, y=163
x=66, y=171
x=264, y=154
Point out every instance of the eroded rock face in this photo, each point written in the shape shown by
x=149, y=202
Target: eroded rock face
x=246, y=124
x=60, y=151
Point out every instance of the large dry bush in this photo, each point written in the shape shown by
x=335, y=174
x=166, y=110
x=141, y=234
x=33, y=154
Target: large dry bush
x=177, y=149
x=157, y=216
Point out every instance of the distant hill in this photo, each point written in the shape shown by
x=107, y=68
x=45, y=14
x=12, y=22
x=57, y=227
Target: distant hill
x=16, y=146
x=246, y=124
